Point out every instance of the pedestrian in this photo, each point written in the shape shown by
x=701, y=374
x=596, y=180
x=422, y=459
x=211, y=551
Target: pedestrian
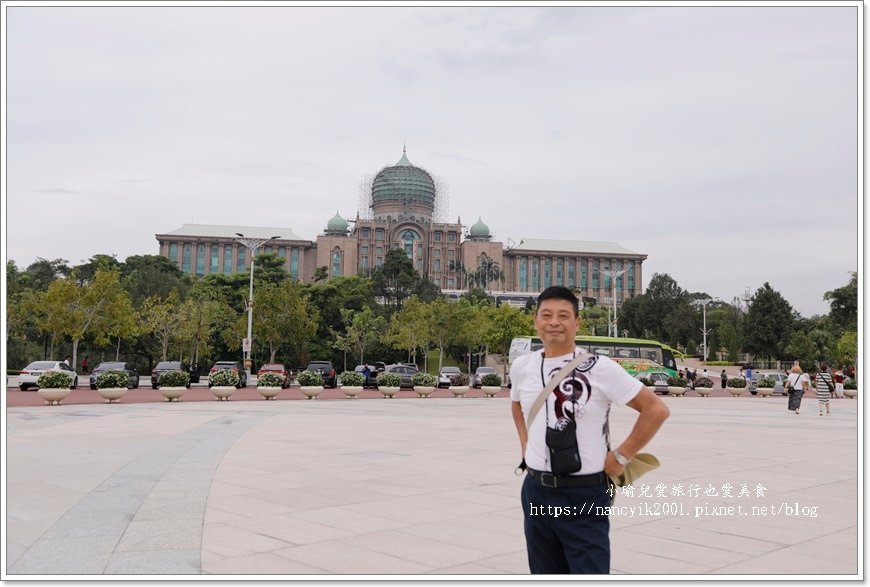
x=838, y=385
x=724, y=378
x=824, y=387
x=367, y=373
x=85, y=365
x=796, y=383
x=682, y=375
x=566, y=449
x=68, y=361
x=741, y=372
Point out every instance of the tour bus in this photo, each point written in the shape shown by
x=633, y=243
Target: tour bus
x=634, y=354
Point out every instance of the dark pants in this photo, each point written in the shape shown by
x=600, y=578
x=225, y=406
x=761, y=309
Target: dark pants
x=573, y=539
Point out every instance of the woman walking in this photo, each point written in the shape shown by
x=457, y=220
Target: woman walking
x=797, y=381
x=824, y=387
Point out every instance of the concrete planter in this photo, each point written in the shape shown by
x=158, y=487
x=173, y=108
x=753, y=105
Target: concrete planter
x=388, y=391
x=311, y=391
x=268, y=392
x=850, y=393
x=704, y=391
x=490, y=390
x=352, y=391
x=458, y=390
x=424, y=391
x=676, y=391
x=112, y=394
x=765, y=391
x=736, y=391
x=222, y=392
x=172, y=393
x=53, y=396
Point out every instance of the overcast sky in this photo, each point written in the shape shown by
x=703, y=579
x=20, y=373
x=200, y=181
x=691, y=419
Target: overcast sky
x=719, y=141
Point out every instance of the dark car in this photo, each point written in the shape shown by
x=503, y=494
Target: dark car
x=132, y=373
x=372, y=379
x=276, y=368
x=231, y=366
x=445, y=374
x=163, y=367
x=406, y=372
x=326, y=370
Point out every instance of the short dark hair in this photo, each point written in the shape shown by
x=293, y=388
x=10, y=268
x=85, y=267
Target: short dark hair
x=558, y=292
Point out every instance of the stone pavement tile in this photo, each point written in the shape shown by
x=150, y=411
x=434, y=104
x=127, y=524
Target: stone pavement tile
x=346, y=519
x=398, y=512
x=230, y=541
x=467, y=569
x=674, y=549
x=172, y=508
x=216, y=516
x=222, y=488
x=180, y=488
x=414, y=547
x=251, y=506
x=289, y=529
x=813, y=557
x=683, y=531
x=80, y=522
x=478, y=538
x=13, y=551
x=479, y=495
x=308, y=498
x=625, y=562
x=513, y=563
x=259, y=564
x=161, y=535
x=155, y=562
x=68, y=556
x=445, y=503
x=349, y=559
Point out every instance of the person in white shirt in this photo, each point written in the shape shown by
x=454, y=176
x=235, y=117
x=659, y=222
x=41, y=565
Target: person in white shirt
x=567, y=450
x=796, y=384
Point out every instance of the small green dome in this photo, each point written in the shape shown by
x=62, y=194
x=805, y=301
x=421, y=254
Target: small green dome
x=479, y=228
x=337, y=223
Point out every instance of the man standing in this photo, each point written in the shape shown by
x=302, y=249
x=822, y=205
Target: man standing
x=724, y=378
x=577, y=539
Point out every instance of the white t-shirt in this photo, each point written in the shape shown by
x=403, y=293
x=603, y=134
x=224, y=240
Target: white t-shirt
x=592, y=387
x=797, y=380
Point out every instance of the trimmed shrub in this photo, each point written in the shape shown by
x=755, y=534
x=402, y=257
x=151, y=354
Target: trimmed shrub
x=736, y=383
x=677, y=382
x=223, y=378
x=459, y=380
x=352, y=379
x=109, y=379
x=491, y=380
x=719, y=363
x=647, y=381
x=423, y=379
x=270, y=380
x=766, y=382
x=389, y=380
x=851, y=384
x=54, y=380
x=310, y=378
x=703, y=382
x=173, y=379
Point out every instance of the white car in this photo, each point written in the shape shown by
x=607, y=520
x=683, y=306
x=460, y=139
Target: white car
x=779, y=380
x=28, y=376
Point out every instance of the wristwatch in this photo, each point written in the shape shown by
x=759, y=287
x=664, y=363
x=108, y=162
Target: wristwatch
x=619, y=458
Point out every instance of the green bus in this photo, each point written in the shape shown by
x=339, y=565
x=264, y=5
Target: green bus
x=636, y=355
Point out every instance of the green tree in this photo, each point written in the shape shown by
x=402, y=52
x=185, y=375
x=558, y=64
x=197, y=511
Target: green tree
x=283, y=318
x=42, y=273
x=362, y=328
x=846, y=351
x=503, y=324
x=144, y=276
x=162, y=317
x=768, y=322
x=409, y=328
x=801, y=347
x=395, y=279
x=198, y=317
x=321, y=274
x=844, y=304
x=446, y=322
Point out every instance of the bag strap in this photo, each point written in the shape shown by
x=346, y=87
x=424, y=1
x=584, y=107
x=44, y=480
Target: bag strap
x=542, y=397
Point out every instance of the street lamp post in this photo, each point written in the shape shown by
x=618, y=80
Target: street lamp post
x=614, y=331
x=704, y=330
x=252, y=244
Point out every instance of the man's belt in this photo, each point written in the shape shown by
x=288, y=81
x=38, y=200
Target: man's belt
x=556, y=481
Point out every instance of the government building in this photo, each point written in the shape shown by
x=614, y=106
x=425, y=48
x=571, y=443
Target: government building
x=404, y=207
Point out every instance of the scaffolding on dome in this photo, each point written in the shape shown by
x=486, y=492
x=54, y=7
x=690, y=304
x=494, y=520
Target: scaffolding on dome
x=442, y=201
x=364, y=203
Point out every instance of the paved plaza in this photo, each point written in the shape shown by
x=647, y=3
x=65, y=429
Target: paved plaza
x=411, y=487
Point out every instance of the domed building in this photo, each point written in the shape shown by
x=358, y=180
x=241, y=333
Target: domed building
x=403, y=207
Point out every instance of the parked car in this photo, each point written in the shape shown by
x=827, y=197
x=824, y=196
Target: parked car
x=659, y=379
x=277, y=368
x=231, y=366
x=477, y=380
x=406, y=372
x=444, y=375
x=779, y=380
x=372, y=379
x=164, y=366
x=28, y=376
x=132, y=373
x=325, y=368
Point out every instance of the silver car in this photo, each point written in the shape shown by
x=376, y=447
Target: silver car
x=779, y=380
x=480, y=373
x=28, y=376
x=445, y=374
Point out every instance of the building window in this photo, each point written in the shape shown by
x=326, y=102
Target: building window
x=436, y=252
x=630, y=275
x=215, y=259
x=605, y=267
x=294, y=263
x=419, y=250
x=436, y=265
x=336, y=263
x=570, y=273
x=185, y=258
x=617, y=266
x=450, y=254
x=583, y=284
x=282, y=252
x=437, y=237
x=419, y=265
x=524, y=276
x=595, y=274
x=228, y=260
x=451, y=283
x=364, y=263
x=173, y=252
x=379, y=234
x=535, y=282
x=379, y=250
x=366, y=233
x=559, y=264
x=364, y=249
x=547, y=273
x=407, y=238
x=200, y=260
x=240, y=259
x=379, y=261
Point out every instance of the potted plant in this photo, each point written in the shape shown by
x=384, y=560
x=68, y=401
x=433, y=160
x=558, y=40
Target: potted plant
x=703, y=385
x=647, y=381
x=310, y=383
x=223, y=383
x=490, y=384
x=677, y=386
x=389, y=384
x=54, y=387
x=173, y=384
x=269, y=384
x=736, y=386
x=459, y=384
x=112, y=385
x=765, y=386
x=352, y=383
x=424, y=383
x=850, y=389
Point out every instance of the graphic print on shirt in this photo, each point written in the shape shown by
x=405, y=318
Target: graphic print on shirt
x=570, y=392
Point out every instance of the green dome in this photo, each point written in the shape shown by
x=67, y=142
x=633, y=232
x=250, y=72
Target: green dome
x=337, y=224
x=479, y=228
x=403, y=181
